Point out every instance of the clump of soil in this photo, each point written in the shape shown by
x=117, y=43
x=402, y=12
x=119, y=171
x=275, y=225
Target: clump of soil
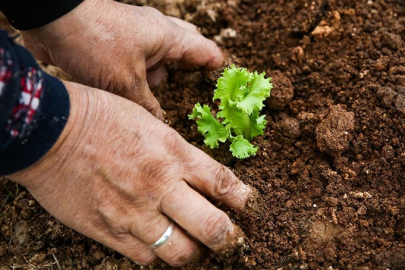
x=282, y=92
x=330, y=169
x=333, y=133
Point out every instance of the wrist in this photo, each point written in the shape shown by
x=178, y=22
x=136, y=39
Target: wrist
x=27, y=176
x=33, y=135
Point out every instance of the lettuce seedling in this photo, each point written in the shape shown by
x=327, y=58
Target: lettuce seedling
x=241, y=94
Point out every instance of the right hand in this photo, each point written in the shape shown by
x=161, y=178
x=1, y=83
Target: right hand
x=117, y=175
x=121, y=48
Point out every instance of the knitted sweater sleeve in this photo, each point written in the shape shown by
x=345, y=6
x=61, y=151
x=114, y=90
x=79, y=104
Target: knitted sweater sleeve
x=29, y=14
x=34, y=108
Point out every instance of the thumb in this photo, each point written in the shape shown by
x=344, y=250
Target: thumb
x=193, y=49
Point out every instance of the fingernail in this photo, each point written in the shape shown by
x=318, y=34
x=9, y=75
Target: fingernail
x=243, y=196
x=235, y=241
x=160, y=115
x=254, y=205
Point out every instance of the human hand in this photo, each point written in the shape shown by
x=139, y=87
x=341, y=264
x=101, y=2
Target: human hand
x=120, y=48
x=117, y=175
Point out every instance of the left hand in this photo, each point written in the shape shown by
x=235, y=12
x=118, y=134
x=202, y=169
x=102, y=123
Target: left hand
x=121, y=48
x=119, y=175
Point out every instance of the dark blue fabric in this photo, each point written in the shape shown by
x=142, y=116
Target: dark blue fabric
x=29, y=14
x=21, y=152
x=9, y=98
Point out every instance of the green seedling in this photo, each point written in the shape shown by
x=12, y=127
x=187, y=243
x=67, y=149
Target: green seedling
x=241, y=95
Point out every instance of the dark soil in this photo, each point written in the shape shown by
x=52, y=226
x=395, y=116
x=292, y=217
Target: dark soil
x=330, y=169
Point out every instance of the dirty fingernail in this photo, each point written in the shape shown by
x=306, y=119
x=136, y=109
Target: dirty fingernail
x=234, y=242
x=254, y=206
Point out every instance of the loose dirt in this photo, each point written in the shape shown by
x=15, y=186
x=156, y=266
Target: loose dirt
x=330, y=170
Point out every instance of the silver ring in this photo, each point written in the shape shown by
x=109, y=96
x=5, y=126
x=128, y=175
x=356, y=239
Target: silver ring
x=166, y=235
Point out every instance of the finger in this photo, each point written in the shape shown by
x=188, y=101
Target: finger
x=128, y=245
x=146, y=99
x=156, y=74
x=179, y=249
x=200, y=218
x=194, y=49
x=141, y=94
x=216, y=181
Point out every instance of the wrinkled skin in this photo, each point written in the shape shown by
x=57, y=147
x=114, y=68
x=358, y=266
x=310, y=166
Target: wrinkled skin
x=117, y=174
x=120, y=48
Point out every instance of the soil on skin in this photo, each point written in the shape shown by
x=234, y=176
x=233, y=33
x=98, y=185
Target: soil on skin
x=330, y=169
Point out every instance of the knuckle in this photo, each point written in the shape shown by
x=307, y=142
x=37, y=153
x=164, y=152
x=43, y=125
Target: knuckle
x=224, y=183
x=141, y=99
x=216, y=228
x=114, y=89
x=152, y=106
x=138, y=78
x=173, y=140
x=152, y=11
